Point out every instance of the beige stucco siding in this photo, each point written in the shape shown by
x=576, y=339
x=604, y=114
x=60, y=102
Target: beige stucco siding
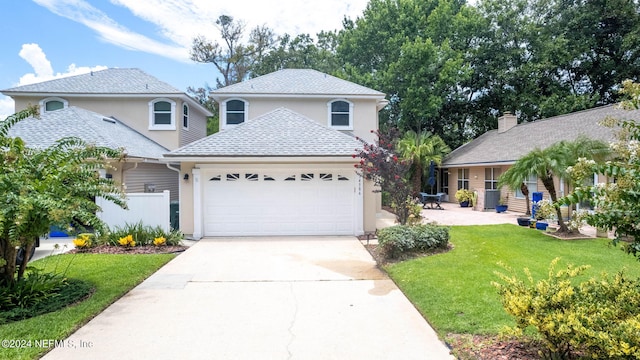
x=365, y=113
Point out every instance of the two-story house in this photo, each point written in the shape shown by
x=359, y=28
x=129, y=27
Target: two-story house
x=117, y=108
x=282, y=163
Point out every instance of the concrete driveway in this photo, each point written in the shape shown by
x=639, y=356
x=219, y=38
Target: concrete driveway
x=261, y=298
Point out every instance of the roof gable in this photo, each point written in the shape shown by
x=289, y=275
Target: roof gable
x=507, y=147
x=91, y=127
x=281, y=132
x=297, y=82
x=109, y=81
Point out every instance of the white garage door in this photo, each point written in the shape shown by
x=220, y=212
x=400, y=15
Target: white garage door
x=242, y=203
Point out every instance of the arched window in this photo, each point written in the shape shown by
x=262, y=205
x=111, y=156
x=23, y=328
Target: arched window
x=185, y=116
x=234, y=112
x=53, y=104
x=340, y=114
x=162, y=114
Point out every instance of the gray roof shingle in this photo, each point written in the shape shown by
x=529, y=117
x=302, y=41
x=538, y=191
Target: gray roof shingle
x=89, y=126
x=109, y=81
x=298, y=82
x=279, y=133
x=507, y=147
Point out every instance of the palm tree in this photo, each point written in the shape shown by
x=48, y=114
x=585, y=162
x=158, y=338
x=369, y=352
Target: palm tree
x=553, y=161
x=421, y=148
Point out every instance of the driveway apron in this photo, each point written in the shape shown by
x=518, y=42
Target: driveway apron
x=261, y=298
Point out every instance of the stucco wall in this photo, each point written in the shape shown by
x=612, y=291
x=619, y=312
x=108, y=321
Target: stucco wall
x=365, y=114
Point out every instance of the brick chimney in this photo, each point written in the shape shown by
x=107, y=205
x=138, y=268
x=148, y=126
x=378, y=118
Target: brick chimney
x=506, y=122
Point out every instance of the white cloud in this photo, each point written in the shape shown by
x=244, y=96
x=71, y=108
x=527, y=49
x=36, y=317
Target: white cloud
x=179, y=21
x=42, y=71
x=110, y=31
x=182, y=20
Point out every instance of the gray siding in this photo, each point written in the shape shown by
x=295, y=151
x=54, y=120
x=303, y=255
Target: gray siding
x=197, y=127
x=156, y=174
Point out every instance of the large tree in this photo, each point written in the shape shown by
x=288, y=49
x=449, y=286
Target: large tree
x=301, y=52
x=233, y=59
x=420, y=149
x=44, y=187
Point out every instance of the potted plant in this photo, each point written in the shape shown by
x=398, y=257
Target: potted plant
x=502, y=204
x=463, y=196
x=544, y=211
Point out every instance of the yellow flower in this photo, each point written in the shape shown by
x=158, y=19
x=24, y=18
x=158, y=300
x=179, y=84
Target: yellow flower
x=81, y=242
x=127, y=241
x=160, y=241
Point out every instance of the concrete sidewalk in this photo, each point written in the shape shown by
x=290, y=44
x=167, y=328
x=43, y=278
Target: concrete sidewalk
x=261, y=298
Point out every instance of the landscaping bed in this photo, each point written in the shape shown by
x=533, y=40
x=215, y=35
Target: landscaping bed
x=147, y=249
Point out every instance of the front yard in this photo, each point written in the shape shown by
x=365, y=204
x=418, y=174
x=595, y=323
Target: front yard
x=453, y=290
x=112, y=276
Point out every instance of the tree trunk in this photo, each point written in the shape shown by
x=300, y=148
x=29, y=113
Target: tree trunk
x=416, y=180
x=551, y=188
x=8, y=269
x=25, y=259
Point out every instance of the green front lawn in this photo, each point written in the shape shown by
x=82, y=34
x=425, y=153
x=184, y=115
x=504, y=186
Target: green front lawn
x=112, y=275
x=453, y=290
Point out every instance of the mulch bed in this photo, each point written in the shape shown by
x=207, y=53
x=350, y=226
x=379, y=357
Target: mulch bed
x=149, y=249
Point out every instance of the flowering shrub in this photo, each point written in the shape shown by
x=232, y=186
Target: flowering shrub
x=379, y=163
x=160, y=241
x=598, y=317
x=127, y=241
x=545, y=210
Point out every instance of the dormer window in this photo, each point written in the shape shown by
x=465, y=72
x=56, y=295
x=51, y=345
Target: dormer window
x=340, y=114
x=162, y=114
x=185, y=116
x=234, y=112
x=53, y=104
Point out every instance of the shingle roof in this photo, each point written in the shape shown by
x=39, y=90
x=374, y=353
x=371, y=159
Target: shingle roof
x=281, y=132
x=298, y=82
x=509, y=146
x=109, y=81
x=89, y=126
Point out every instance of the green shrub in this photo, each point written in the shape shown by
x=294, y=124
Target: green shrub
x=599, y=318
x=427, y=237
x=34, y=288
x=142, y=235
x=395, y=240
x=399, y=239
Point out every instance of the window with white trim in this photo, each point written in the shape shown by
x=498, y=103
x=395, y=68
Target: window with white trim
x=162, y=114
x=53, y=104
x=234, y=112
x=340, y=114
x=532, y=185
x=463, y=179
x=185, y=116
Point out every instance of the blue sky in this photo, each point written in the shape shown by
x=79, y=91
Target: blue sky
x=46, y=39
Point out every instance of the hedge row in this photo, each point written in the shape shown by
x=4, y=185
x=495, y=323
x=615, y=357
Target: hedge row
x=399, y=239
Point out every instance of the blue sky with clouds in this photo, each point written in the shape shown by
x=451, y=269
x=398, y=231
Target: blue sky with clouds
x=46, y=39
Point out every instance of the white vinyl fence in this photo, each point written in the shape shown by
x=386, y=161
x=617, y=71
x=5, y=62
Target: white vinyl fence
x=151, y=209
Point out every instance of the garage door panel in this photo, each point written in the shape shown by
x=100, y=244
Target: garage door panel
x=278, y=203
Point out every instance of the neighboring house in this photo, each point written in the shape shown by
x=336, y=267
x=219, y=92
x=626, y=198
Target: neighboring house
x=478, y=164
x=145, y=116
x=282, y=162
